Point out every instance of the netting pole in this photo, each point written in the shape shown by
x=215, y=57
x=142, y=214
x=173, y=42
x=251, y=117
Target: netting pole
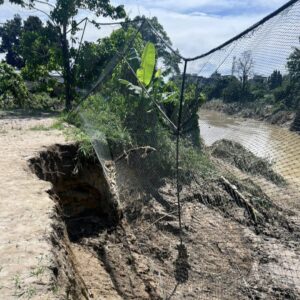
x=181, y=99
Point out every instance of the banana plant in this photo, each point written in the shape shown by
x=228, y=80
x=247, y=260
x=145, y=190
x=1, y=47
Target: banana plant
x=145, y=74
x=149, y=81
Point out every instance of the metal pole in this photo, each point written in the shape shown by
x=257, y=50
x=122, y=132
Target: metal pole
x=181, y=99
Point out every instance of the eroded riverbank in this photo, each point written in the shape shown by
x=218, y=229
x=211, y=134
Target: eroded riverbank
x=275, y=143
x=233, y=232
x=242, y=241
x=257, y=110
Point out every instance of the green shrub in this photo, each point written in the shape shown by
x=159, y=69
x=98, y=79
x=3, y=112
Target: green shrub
x=42, y=101
x=129, y=123
x=13, y=91
x=282, y=93
x=268, y=98
x=258, y=94
x=101, y=119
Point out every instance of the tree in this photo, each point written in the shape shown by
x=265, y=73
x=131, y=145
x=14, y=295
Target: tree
x=40, y=49
x=10, y=41
x=294, y=66
x=33, y=23
x=216, y=85
x=33, y=47
x=62, y=15
x=243, y=68
x=93, y=57
x=275, y=80
x=160, y=39
x=294, y=72
x=233, y=91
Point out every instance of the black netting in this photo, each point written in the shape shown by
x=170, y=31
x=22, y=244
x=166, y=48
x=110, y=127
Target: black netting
x=211, y=202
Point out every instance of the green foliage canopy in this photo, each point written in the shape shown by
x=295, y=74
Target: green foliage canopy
x=171, y=60
x=10, y=33
x=61, y=15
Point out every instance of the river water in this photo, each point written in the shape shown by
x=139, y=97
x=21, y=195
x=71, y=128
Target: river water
x=268, y=141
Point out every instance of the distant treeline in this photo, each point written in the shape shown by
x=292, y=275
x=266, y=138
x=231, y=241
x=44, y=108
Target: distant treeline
x=242, y=86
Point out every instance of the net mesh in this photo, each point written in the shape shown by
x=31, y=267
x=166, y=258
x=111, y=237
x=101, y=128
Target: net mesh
x=215, y=217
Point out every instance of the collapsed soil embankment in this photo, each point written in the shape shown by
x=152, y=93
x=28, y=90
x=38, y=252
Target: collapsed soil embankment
x=238, y=156
x=127, y=247
x=86, y=206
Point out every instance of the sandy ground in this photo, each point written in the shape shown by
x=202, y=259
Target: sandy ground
x=25, y=251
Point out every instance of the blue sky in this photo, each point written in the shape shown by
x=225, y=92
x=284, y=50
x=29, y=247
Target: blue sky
x=194, y=26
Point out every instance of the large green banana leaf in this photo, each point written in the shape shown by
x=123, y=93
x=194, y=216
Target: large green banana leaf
x=145, y=72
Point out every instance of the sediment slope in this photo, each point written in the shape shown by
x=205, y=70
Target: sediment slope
x=63, y=236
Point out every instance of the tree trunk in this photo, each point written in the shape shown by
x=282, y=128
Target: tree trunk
x=67, y=68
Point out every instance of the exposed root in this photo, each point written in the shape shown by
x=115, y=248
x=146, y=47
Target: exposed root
x=241, y=200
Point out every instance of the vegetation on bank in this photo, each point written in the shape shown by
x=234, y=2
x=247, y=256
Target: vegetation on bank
x=243, y=86
x=141, y=114
x=253, y=95
x=271, y=113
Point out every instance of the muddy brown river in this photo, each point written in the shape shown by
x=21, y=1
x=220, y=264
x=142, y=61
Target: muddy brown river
x=268, y=141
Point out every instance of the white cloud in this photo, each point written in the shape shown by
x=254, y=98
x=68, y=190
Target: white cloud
x=8, y=10
x=206, y=5
x=192, y=30
x=195, y=34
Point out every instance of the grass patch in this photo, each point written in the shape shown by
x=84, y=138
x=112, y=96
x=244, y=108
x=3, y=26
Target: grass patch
x=58, y=125
x=40, y=128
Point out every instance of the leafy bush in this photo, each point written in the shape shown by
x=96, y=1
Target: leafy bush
x=130, y=123
x=258, y=93
x=103, y=118
x=269, y=98
x=15, y=94
x=282, y=93
x=42, y=101
x=13, y=91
